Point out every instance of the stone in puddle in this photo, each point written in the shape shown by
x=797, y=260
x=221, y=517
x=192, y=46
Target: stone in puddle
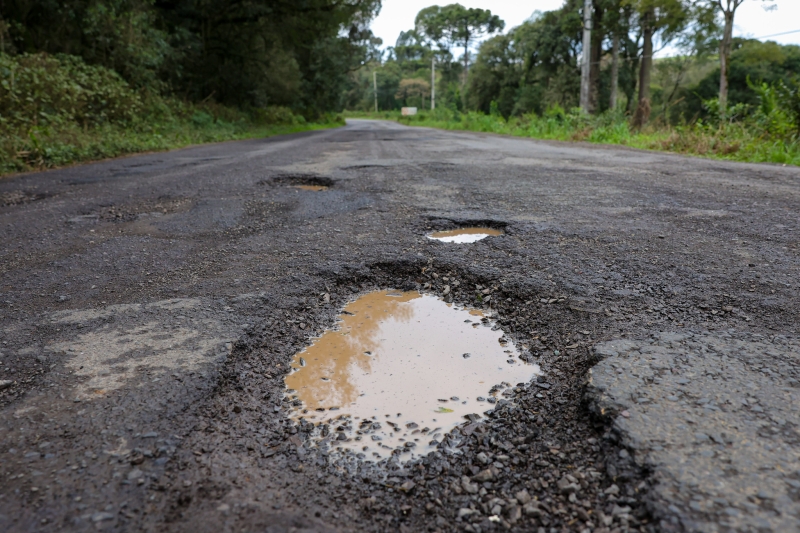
x=484, y=475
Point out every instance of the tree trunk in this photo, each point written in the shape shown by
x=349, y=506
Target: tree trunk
x=466, y=64
x=642, y=114
x=586, y=60
x=466, y=61
x=598, y=35
x=612, y=103
x=724, y=57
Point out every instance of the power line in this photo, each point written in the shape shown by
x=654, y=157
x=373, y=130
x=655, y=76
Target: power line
x=774, y=35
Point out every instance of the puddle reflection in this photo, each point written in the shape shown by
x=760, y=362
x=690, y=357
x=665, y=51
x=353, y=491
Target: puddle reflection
x=464, y=235
x=402, y=369
x=311, y=187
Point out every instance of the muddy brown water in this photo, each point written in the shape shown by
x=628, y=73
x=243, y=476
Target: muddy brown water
x=311, y=187
x=464, y=235
x=401, y=370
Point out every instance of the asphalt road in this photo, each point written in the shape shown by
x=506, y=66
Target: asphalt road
x=150, y=307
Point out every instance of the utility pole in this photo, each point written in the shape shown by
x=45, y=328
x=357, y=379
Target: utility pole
x=587, y=57
x=433, y=83
x=375, y=88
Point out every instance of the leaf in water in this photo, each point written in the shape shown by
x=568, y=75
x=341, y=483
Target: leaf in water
x=444, y=410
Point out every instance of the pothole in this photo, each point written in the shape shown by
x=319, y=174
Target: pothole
x=401, y=371
x=307, y=182
x=9, y=198
x=155, y=207
x=465, y=235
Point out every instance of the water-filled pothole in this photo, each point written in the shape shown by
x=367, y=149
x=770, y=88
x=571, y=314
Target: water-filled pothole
x=464, y=235
x=401, y=371
x=311, y=187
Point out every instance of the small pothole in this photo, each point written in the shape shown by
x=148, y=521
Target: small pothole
x=306, y=182
x=465, y=235
x=401, y=371
x=9, y=198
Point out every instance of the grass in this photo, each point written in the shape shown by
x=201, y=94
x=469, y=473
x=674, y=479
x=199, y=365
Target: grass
x=44, y=148
x=729, y=141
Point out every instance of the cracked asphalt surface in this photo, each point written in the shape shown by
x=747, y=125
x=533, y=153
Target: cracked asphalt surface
x=151, y=305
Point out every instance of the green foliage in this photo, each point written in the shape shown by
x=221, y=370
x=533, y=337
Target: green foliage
x=766, y=62
x=41, y=90
x=749, y=139
x=412, y=91
x=243, y=53
x=531, y=68
x=280, y=52
x=527, y=81
x=778, y=111
x=665, y=16
x=456, y=25
x=58, y=110
x=277, y=115
x=494, y=82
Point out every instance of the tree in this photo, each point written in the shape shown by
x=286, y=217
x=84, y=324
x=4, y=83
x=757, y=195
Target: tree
x=412, y=88
x=549, y=45
x=616, y=25
x=456, y=25
x=760, y=62
x=664, y=18
x=411, y=46
x=495, y=76
x=728, y=9
x=248, y=53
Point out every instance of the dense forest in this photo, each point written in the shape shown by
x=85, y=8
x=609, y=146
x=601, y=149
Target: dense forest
x=255, y=53
x=536, y=66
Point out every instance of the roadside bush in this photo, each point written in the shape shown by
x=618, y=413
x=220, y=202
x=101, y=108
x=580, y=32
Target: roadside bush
x=769, y=132
x=778, y=112
x=276, y=115
x=42, y=90
x=56, y=110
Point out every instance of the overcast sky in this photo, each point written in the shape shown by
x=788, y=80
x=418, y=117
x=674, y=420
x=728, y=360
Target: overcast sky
x=751, y=19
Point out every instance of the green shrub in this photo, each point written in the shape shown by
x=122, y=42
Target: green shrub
x=201, y=119
x=767, y=134
x=276, y=115
x=57, y=110
x=37, y=89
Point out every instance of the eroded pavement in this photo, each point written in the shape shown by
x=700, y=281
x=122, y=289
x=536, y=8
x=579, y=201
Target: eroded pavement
x=151, y=307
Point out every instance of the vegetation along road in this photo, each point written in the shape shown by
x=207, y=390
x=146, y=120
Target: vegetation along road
x=152, y=305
